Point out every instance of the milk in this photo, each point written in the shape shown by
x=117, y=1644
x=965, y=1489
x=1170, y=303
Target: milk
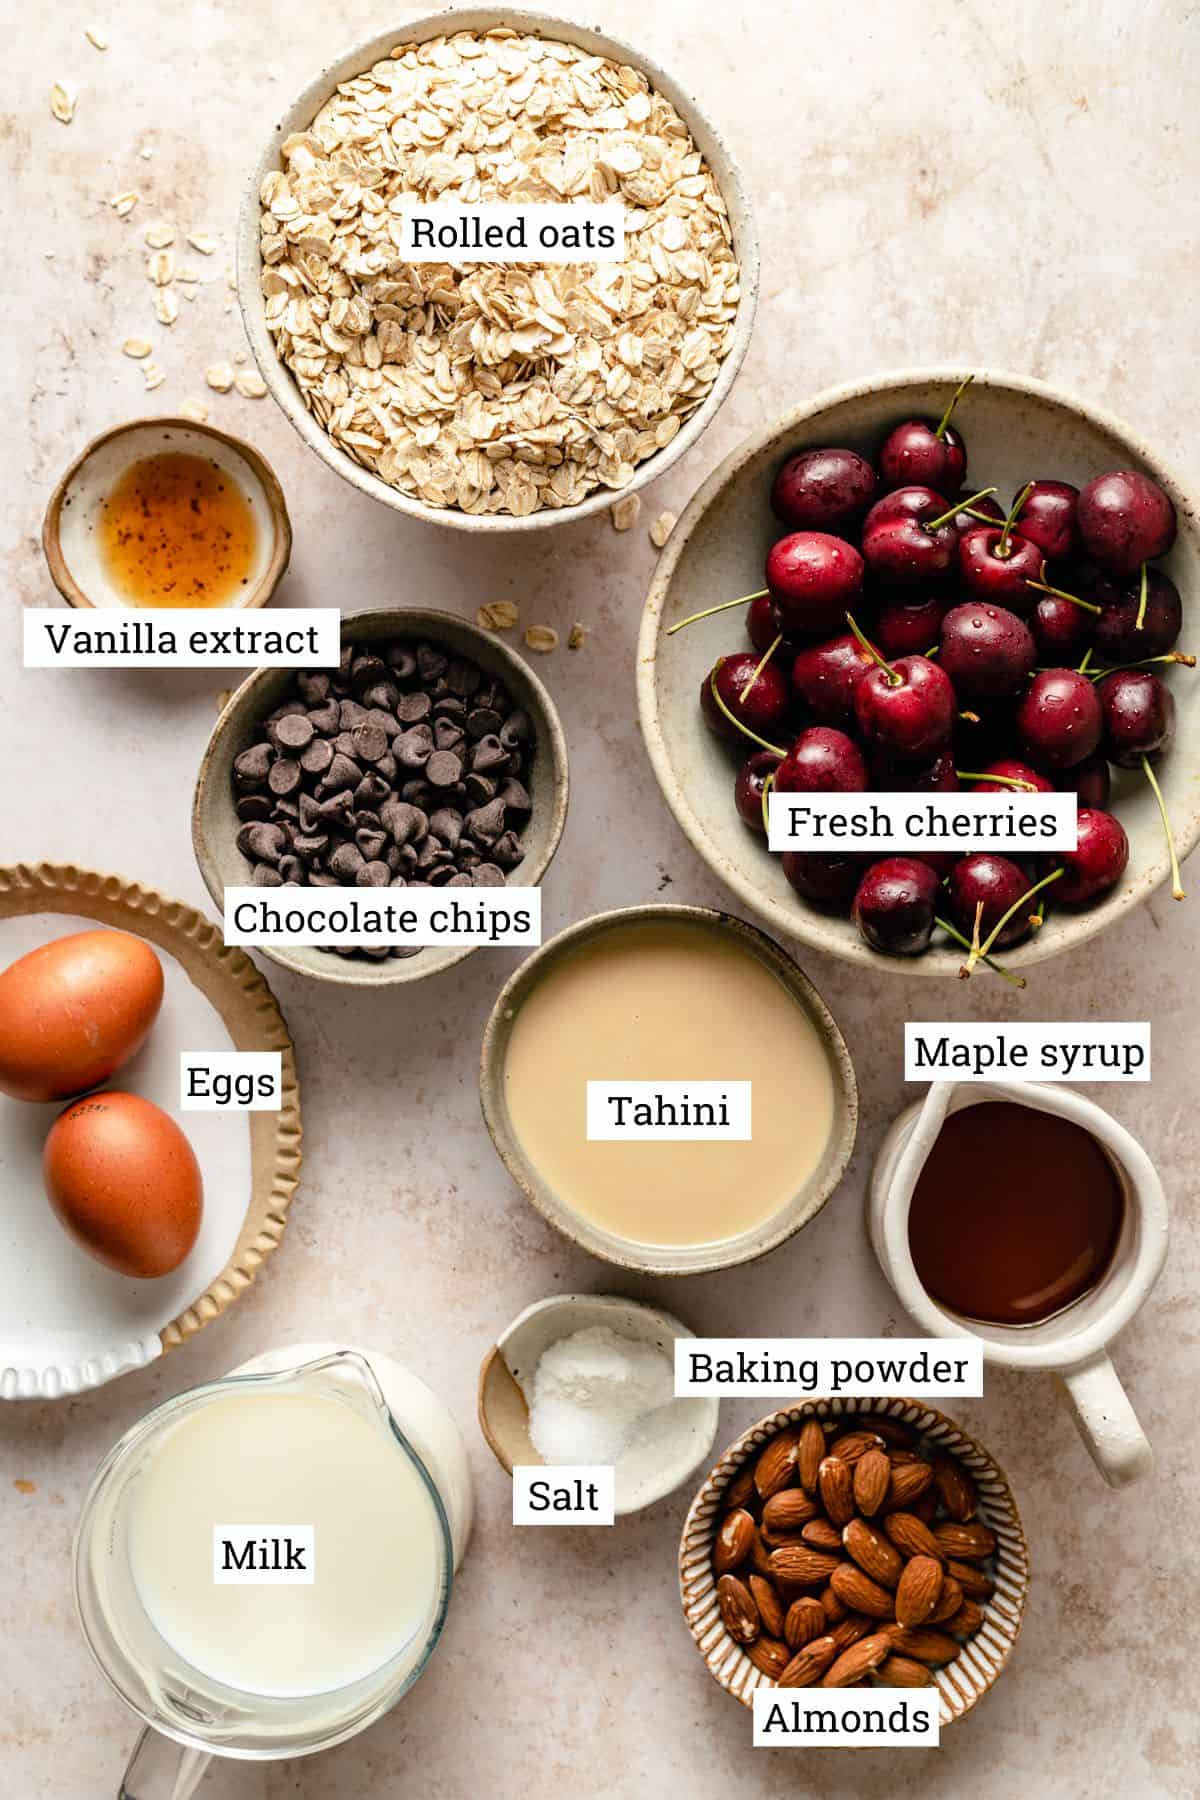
x=273, y=1461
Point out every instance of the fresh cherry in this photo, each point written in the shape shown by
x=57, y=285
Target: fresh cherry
x=1090, y=781
x=1139, y=716
x=823, y=490
x=906, y=709
x=894, y=905
x=986, y=504
x=1098, y=860
x=937, y=777
x=822, y=761
x=1007, y=775
x=928, y=452
x=827, y=879
x=910, y=627
x=1059, y=721
x=756, y=693
x=995, y=882
x=997, y=564
x=1125, y=519
x=909, y=536
x=1061, y=630
x=812, y=578
x=986, y=651
x=748, y=788
x=763, y=632
x=1047, y=516
x=825, y=676
x=1118, y=635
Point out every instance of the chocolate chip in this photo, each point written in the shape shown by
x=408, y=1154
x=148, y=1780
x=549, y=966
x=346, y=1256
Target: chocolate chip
x=253, y=806
x=317, y=758
x=365, y=671
x=507, y=850
x=285, y=776
x=346, y=861
x=386, y=721
x=446, y=734
x=418, y=793
x=461, y=881
x=253, y=766
x=295, y=732
x=313, y=687
x=447, y=825
x=403, y=821
x=400, y=659
x=443, y=769
x=371, y=843
x=516, y=729
x=291, y=869
x=463, y=678
x=515, y=796
x=479, y=789
x=488, y=875
x=265, y=876
x=381, y=696
x=266, y=843
x=343, y=774
x=486, y=823
x=326, y=719
x=370, y=743
x=483, y=721
x=413, y=749
x=489, y=753
x=431, y=663
x=373, y=874
x=350, y=714
x=310, y=845
x=371, y=791
x=412, y=708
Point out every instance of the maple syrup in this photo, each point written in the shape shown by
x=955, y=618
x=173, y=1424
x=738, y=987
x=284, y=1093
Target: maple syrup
x=1015, y=1216
x=177, y=531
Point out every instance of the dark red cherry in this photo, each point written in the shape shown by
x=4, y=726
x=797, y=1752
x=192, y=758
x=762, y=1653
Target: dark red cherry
x=914, y=454
x=1090, y=781
x=823, y=490
x=996, y=883
x=894, y=906
x=1125, y=519
x=937, y=777
x=906, y=711
x=822, y=761
x=826, y=879
x=757, y=697
x=1048, y=518
x=1139, y=716
x=1098, y=861
x=813, y=579
x=825, y=676
x=983, y=503
x=897, y=544
x=748, y=788
x=910, y=627
x=762, y=630
x=1059, y=719
x=986, y=651
x=998, y=567
x=1118, y=636
x=1061, y=630
x=1012, y=771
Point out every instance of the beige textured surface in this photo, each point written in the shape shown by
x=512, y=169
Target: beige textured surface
x=961, y=183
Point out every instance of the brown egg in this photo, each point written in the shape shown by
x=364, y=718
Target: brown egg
x=125, y=1182
x=75, y=1010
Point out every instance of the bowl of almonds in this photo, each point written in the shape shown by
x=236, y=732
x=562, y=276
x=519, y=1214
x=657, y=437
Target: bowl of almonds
x=855, y=1543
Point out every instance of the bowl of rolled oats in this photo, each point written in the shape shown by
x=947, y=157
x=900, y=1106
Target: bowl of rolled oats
x=496, y=396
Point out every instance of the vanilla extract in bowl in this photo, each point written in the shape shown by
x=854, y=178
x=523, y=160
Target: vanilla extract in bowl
x=1015, y=1216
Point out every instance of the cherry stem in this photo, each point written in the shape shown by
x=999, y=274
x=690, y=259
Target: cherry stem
x=1008, y=781
x=997, y=968
x=1087, y=657
x=974, y=513
x=762, y=665
x=1170, y=656
x=972, y=718
x=1015, y=908
x=895, y=679
x=1045, y=587
x=955, y=397
x=768, y=784
x=743, y=600
x=953, y=512
x=1037, y=918
x=1003, y=549
x=1143, y=593
x=1176, y=880
x=744, y=729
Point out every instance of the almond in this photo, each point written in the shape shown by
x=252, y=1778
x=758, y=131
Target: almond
x=908, y=1480
x=902, y=1671
x=896, y=1432
x=872, y=1477
x=859, y=1661
x=911, y=1536
x=854, y=1444
x=966, y=1621
x=741, y=1490
x=956, y=1488
x=795, y=1565
x=812, y=1449
x=805, y=1621
x=972, y=1542
x=821, y=1535
x=851, y=1628
x=836, y=1482
x=770, y=1606
x=872, y=1552
x=735, y=1540
x=832, y=1607
x=739, y=1615
x=973, y=1582
x=788, y=1511
x=919, y=1591
x=769, y=1656
x=808, y=1665
x=931, y=1647
x=925, y=1506
x=776, y=1465
x=859, y=1593
x=950, y=1600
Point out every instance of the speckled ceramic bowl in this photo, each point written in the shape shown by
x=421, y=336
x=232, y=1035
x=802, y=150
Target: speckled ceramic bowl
x=978, y=1665
x=298, y=117
x=1014, y=429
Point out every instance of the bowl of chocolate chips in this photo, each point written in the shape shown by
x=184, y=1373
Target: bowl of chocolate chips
x=432, y=756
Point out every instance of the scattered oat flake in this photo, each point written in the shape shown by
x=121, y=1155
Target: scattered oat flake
x=154, y=375
x=542, y=638
x=185, y=272
x=625, y=511
x=123, y=204
x=63, y=96
x=240, y=356
x=194, y=410
x=25, y=1487
x=166, y=306
x=160, y=268
x=250, y=384
x=662, y=528
x=499, y=615
x=577, y=636
x=159, y=236
x=95, y=37
x=146, y=152
x=137, y=347
x=200, y=240
x=219, y=376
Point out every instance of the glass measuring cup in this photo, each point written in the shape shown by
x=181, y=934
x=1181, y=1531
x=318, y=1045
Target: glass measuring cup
x=203, y=1715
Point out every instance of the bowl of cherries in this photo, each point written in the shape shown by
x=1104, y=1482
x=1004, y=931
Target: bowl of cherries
x=844, y=608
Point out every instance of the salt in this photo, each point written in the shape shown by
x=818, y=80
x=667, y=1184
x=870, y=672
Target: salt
x=594, y=1397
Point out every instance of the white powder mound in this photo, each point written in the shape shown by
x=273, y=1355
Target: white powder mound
x=593, y=1393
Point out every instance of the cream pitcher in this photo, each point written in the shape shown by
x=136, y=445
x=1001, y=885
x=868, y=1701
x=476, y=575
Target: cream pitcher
x=263, y=1565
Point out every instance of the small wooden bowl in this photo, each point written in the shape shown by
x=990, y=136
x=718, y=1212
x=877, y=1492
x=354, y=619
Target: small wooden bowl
x=69, y=537
x=961, y=1683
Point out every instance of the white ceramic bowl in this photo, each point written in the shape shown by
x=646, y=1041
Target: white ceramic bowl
x=300, y=114
x=1014, y=428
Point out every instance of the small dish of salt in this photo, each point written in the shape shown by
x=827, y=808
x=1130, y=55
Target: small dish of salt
x=589, y=1379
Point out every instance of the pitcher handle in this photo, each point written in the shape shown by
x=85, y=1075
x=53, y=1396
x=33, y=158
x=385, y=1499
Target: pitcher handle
x=1107, y=1422
x=161, y=1770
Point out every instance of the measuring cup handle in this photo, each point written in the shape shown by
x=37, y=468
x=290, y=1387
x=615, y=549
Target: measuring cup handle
x=1107, y=1422
x=161, y=1770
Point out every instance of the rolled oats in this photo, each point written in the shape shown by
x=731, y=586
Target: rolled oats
x=219, y=377
x=497, y=387
x=500, y=615
x=542, y=638
x=624, y=512
x=63, y=96
x=250, y=384
x=662, y=528
x=137, y=348
x=577, y=637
